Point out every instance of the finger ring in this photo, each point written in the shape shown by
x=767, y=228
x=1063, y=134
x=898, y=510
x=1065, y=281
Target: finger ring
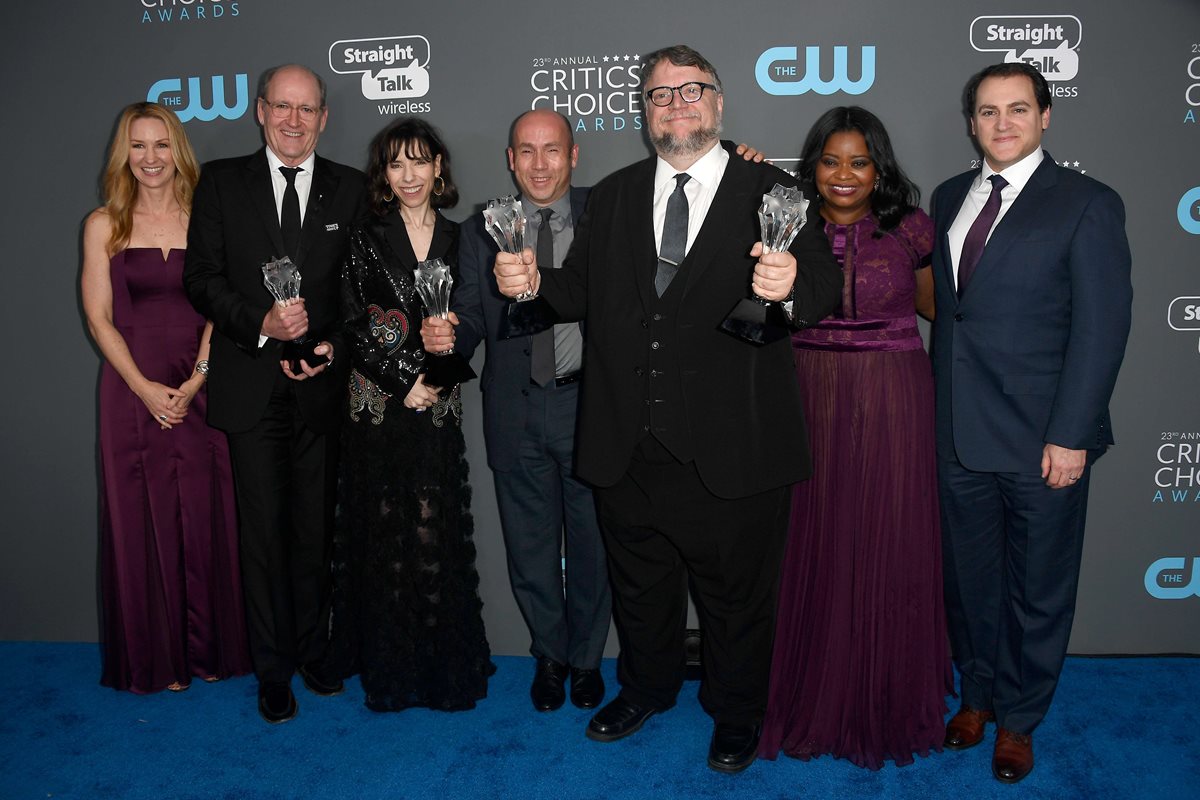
x=162, y=417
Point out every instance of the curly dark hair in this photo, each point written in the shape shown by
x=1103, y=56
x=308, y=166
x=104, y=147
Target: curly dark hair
x=1041, y=89
x=896, y=195
x=418, y=139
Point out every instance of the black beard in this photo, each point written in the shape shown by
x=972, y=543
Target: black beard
x=698, y=141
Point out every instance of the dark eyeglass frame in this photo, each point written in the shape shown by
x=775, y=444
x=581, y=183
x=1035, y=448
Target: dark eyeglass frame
x=672, y=90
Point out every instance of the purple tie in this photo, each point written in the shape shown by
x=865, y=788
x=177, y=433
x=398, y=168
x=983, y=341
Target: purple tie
x=972, y=248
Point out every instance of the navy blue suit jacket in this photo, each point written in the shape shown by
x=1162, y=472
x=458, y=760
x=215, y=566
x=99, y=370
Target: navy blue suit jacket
x=1029, y=354
x=480, y=308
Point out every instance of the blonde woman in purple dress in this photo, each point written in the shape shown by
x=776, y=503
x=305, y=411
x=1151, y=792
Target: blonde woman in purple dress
x=170, y=586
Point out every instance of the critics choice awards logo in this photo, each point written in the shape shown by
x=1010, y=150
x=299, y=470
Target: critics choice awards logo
x=391, y=69
x=1177, y=480
x=1048, y=43
x=598, y=93
x=1191, y=95
x=186, y=10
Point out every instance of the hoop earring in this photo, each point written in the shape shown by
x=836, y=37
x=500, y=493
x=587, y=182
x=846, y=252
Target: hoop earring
x=439, y=185
x=389, y=197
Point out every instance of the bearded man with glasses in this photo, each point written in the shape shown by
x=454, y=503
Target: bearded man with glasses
x=283, y=200
x=691, y=437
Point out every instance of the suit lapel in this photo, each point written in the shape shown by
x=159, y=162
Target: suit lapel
x=1020, y=218
x=324, y=185
x=729, y=202
x=640, y=229
x=397, y=239
x=258, y=182
x=947, y=211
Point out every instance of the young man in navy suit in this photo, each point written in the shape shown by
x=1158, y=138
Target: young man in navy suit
x=1033, y=295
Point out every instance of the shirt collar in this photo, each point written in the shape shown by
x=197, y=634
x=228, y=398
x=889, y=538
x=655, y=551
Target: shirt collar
x=706, y=171
x=561, y=208
x=1017, y=174
x=274, y=162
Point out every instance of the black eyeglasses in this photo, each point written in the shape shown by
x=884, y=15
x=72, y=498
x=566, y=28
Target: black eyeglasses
x=690, y=92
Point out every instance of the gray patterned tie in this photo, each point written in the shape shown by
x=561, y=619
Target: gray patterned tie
x=674, y=237
x=541, y=364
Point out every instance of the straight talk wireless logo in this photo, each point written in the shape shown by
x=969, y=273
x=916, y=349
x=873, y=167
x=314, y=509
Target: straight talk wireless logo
x=392, y=69
x=1049, y=43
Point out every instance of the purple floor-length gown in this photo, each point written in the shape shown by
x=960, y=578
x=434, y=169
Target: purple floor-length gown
x=860, y=668
x=170, y=583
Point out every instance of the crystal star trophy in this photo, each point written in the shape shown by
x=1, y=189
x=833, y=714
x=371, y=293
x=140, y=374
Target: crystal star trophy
x=780, y=217
x=434, y=281
x=504, y=219
x=282, y=279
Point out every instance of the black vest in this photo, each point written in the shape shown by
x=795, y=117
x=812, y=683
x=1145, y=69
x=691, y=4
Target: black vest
x=665, y=417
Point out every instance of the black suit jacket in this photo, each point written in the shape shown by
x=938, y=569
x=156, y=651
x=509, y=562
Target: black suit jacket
x=379, y=294
x=481, y=308
x=742, y=402
x=1029, y=355
x=234, y=230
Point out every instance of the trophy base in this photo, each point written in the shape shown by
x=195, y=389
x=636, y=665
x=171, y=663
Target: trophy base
x=525, y=318
x=302, y=349
x=757, y=322
x=449, y=369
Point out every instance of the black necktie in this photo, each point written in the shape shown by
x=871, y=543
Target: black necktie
x=674, y=237
x=289, y=217
x=972, y=249
x=541, y=365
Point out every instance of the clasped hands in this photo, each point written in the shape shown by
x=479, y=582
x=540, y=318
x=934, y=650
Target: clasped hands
x=287, y=322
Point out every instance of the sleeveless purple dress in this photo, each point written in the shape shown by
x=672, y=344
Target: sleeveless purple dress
x=860, y=668
x=170, y=582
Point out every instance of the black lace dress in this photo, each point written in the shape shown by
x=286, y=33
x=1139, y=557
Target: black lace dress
x=406, y=608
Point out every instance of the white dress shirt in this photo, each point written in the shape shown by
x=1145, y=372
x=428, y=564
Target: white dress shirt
x=1017, y=176
x=279, y=183
x=705, y=174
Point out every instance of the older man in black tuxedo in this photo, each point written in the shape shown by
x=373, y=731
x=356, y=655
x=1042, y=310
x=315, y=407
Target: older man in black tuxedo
x=282, y=200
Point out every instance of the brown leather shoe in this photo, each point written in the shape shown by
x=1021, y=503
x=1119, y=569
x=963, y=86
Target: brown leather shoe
x=1012, y=759
x=965, y=729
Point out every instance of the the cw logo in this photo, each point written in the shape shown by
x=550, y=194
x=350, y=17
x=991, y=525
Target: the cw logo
x=1188, y=211
x=168, y=92
x=777, y=74
x=1172, y=572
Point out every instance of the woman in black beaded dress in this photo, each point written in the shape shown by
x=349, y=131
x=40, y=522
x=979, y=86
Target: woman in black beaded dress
x=406, y=608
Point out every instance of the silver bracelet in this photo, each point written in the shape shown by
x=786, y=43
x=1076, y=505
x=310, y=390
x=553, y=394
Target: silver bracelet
x=202, y=367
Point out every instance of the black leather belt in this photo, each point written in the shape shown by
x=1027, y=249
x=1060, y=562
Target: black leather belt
x=564, y=380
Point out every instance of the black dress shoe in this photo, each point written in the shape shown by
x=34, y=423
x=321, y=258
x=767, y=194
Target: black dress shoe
x=618, y=719
x=587, y=687
x=547, y=692
x=734, y=747
x=276, y=703
x=317, y=682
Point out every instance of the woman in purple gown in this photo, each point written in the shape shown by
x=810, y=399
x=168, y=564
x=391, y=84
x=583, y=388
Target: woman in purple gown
x=170, y=583
x=860, y=668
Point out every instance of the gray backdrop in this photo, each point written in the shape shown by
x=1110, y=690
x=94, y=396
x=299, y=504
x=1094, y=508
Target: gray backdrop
x=1127, y=85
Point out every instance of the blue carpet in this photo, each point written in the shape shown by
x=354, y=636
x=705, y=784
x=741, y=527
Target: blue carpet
x=1119, y=728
